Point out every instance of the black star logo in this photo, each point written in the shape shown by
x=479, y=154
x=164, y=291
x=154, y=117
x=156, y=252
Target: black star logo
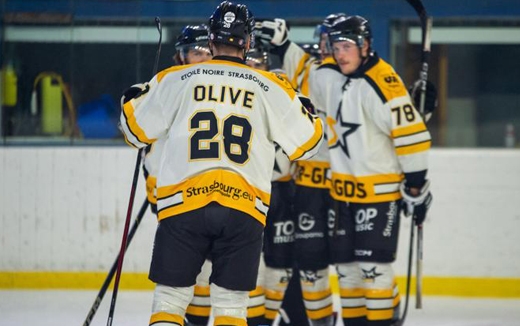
x=347, y=128
x=309, y=276
x=370, y=274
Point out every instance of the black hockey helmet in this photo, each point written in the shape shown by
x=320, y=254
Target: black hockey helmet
x=259, y=54
x=231, y=24
x=324, y=27
x=352, y=28
x=192, y=35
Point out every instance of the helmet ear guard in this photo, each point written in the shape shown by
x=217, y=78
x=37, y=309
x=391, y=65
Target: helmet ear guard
x=232, y=24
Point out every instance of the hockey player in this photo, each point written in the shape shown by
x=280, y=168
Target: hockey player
x=322, y=34
x=378, y=145
x=312, y=195
x=191, y=47
x=221, y=119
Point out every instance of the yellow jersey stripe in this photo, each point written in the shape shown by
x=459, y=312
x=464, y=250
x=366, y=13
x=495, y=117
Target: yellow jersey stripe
x=222, y=186
x=409, y=130
x=414, y=148
x=131, y=122
x=312, y=174
x=299, y=69
x=318, y=133
x=366, y=189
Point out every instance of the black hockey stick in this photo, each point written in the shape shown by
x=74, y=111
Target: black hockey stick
x=401, y=320
x=132, y=196
x=426, y=24
x=112, y=271
x=426, y=27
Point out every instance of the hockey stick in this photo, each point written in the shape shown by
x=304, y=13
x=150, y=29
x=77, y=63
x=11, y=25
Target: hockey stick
x=426, y=26
x=112, y=271
x=132, y=196
x=401, y=320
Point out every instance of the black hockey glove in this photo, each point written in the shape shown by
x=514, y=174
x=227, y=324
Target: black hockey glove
x=416, y=205
x=430, y=100
x=134, y=92
x=275, y=31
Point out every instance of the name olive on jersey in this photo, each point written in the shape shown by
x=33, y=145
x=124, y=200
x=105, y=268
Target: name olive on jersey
x=219, y=121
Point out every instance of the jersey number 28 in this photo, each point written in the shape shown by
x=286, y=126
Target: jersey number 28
x=236, y=134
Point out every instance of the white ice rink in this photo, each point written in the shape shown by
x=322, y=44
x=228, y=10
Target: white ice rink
x=69, y=308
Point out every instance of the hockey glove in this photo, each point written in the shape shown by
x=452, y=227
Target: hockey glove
x=306, y=102
x=274, y=31
x=430, y=100
x=134, y=92
x=418, y=204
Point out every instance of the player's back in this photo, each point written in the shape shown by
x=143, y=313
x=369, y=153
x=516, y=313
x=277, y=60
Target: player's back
x=221, y=119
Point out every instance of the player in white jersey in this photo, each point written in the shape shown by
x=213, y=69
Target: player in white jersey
x=312, y=203
x=378, y=146
x=221, y=119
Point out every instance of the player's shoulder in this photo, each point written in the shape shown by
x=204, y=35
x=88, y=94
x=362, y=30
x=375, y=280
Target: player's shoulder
x=278, y=78
x=384, y=80
x=173, y=69
x=328, y=64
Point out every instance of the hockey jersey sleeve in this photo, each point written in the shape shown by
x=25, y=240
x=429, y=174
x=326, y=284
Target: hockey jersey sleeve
x=298, y=132
x=142, y=119
x=298, y=65
x=404, y=125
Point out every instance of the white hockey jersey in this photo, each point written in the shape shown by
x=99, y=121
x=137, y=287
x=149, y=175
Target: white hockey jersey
x=151, y=163
x=220, y=120
x=375, y=134
x=299, y=65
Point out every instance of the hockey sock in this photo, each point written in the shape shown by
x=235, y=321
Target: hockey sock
x=200, y=307
x=317, y=295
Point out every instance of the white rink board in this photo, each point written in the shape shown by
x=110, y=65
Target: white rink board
x=64, y=208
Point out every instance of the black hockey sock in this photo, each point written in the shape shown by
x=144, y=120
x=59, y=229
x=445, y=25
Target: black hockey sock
x=258, y=321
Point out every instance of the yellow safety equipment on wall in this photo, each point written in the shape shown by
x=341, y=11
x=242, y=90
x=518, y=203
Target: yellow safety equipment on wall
x=52, y=91
x=9, y=85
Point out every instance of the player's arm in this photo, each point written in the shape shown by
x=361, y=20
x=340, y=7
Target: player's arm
x=295, y=61
x=141, y=119
x=298, y=131
x=412, y=141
